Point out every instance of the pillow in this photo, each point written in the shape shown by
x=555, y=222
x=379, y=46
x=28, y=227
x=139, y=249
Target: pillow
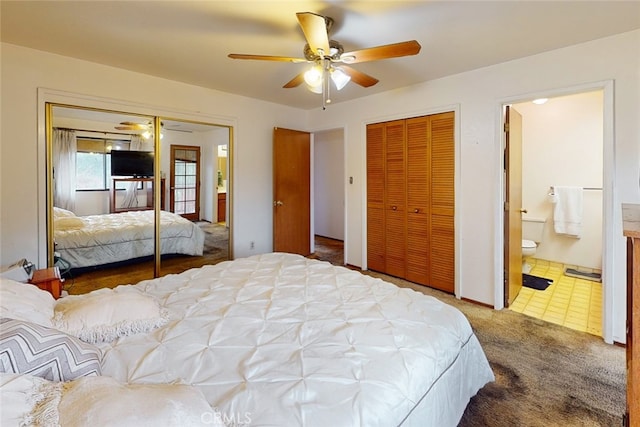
x=68, y=223
x=106, y=314
x=102, y=401
x=24, y=301
x=18, y=397
x=27, y=348
x=62, y=213
x=107, y=402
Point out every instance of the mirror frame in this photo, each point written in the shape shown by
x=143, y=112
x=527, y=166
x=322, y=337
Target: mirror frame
x=48, y=98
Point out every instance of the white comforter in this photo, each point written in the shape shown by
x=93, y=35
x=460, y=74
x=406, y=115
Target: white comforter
x=282, y=340
x=102, y=239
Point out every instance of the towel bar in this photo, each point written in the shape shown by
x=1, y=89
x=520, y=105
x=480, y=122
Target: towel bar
x=551, y=193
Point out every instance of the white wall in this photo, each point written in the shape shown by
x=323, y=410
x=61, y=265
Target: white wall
x=21, y=158
x=563, y=145
x=477, y=96
x=328, y=157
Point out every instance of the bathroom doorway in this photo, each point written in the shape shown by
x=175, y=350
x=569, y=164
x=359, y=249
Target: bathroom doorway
x=563, y=145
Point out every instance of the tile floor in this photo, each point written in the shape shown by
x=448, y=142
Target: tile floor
x=569, y=301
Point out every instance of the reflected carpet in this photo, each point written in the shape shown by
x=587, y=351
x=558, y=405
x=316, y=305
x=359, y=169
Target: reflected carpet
x=216, y=239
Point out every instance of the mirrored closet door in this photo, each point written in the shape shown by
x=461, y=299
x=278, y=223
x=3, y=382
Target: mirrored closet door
x=112, y=179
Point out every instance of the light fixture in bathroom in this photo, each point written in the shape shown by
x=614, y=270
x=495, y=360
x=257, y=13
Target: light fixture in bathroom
x=540, y=101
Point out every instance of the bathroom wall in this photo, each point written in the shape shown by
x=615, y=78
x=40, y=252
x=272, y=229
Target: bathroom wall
x=563, y=145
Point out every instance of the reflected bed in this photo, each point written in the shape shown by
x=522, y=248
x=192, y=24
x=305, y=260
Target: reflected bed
x=93, y=240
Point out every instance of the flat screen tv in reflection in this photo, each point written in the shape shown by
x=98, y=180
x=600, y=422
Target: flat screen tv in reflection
x=138, y=164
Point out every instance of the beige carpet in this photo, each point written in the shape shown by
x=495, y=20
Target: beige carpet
x=546, y=375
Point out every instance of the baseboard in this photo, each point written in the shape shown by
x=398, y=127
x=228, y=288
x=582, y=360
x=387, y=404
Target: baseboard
x=477, y=303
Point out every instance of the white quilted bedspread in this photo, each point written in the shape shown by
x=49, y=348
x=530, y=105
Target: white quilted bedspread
x=282, y=340
x=127, y=235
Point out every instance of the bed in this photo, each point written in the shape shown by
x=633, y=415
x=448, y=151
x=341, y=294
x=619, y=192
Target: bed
x=282, y=340
x=93, y=240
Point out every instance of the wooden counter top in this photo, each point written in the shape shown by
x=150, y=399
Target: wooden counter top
x=631, y=220
x=631, y=229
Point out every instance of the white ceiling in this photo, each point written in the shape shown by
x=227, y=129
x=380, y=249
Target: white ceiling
x=188, y=41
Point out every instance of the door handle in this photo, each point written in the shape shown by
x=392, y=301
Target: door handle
x=523, y=210
x=416, y=210
x=277, y=203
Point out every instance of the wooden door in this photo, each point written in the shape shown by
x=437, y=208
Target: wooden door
x=512, y=206
x=418, y=206
x=291, y=191
x=395, y=198
x=442, y=202
x=185, y=181
x=376, y=235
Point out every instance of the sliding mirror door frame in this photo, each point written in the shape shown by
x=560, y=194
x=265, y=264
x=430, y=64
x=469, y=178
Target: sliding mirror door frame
x=49, y=97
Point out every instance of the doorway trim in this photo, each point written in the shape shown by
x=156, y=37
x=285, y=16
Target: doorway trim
x=608, y=194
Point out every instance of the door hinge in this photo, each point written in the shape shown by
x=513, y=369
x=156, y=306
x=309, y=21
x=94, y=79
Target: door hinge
x=506, y=127
x=506, y=206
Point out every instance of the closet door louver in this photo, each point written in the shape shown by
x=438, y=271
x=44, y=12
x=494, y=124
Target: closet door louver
x=375, y=197
x=395, y=198
x=442, y=197
x=418, y=210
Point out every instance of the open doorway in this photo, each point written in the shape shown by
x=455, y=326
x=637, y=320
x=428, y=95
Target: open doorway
x=562, y=150
x=328, y=196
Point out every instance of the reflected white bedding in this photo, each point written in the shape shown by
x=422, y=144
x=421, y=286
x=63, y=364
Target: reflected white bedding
x=103, y=239
x=282, y=340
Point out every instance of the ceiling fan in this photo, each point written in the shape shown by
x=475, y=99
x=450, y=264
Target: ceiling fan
x=329, y=59
x=133, y=126
x=145, y=129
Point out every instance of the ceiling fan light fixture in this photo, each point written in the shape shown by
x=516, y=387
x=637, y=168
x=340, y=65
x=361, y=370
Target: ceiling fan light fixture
x=339, y=77
x=313, y=76
x=315, y=89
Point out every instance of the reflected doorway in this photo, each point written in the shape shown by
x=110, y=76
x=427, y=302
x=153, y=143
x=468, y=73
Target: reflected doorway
x=185, y=181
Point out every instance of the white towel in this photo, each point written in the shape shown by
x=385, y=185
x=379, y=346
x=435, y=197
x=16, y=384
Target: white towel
x=567, y=213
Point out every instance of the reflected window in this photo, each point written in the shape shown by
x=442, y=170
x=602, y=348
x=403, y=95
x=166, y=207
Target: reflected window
x=91, y=171
x=93, y=162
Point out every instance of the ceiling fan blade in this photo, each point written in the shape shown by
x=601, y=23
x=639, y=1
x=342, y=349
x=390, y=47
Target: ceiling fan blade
x=394, y=50
x=295, y=82
x=359, y=77
x=314, y=27
x=266, y=57
x=133, y=126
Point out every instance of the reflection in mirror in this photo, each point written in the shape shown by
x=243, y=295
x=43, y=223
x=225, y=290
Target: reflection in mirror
x=103, y=198
x=102, y=216
x=195, y=182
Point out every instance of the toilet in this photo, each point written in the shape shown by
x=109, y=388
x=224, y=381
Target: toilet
x=532, y=230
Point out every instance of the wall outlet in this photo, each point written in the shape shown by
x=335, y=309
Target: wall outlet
x=252, y=245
